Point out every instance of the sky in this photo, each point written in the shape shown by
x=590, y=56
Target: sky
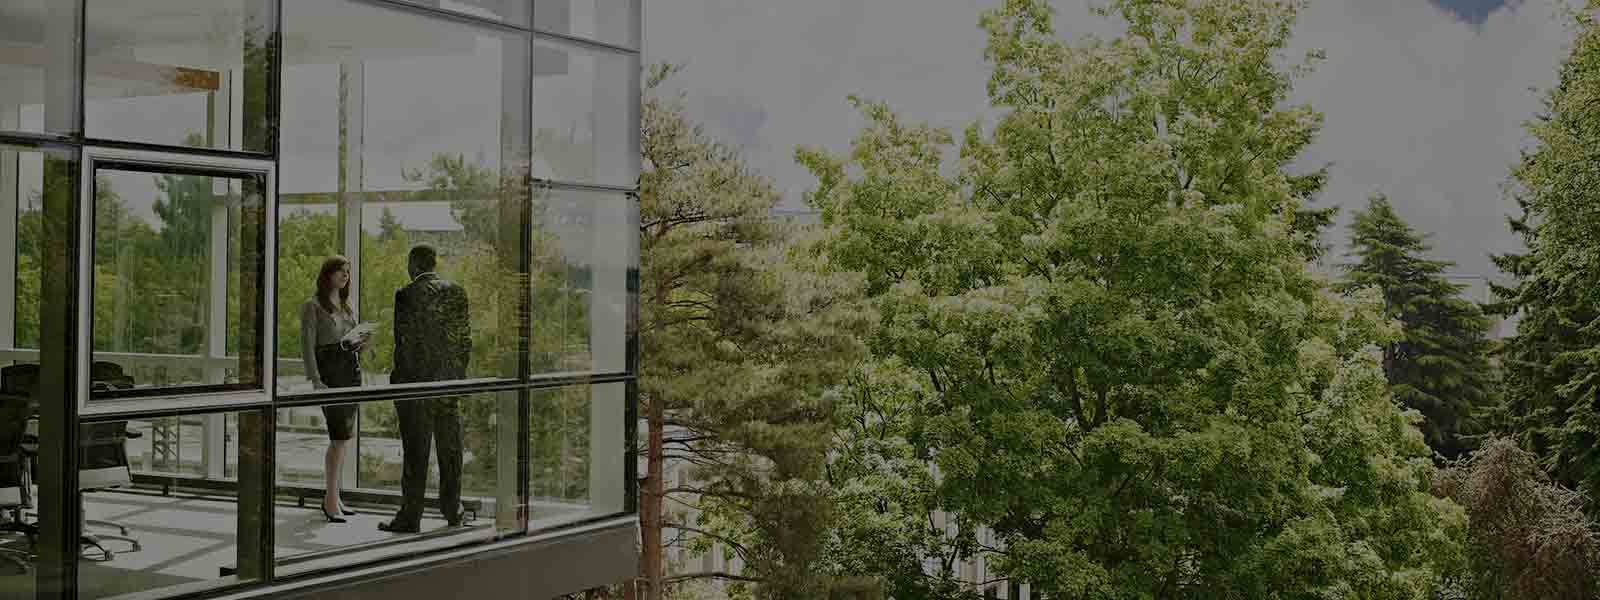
x=1424, y=100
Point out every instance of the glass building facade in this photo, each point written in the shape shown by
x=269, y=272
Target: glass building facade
x=321, y=298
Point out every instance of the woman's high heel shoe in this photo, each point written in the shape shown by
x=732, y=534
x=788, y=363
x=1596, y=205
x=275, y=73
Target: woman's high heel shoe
x=346, y=511
x=332, y=518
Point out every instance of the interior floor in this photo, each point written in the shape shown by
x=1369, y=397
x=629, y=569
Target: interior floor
x=191, y=539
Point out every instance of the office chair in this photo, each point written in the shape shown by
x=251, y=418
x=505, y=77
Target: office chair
x=103, y=455
x=14, y=410
x=11, y=501
x=102, y=448
x=17, y=406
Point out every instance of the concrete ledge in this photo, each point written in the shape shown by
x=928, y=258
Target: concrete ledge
x=533, y=568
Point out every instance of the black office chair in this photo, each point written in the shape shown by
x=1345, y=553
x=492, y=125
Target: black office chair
x=18, y=384
x=102, y=447
x=103, y=455
x=15, y=408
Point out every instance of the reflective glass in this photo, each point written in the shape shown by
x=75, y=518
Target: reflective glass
x=21, y=203
x=402, y=130
x=160, y=511
x=614, y=22
x=180, y=72
x=585, y=124
x=178, y=264
x=38, y=66
x=31, y=181
x=514, y=12
x=583, y=265
x=460, y=451
x=307, y=230
x=575, y=453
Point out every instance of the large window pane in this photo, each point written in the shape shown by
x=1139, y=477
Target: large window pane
x=613, y=22
x=307, y=234
x=585, y=128
x=31, y=180
x=180, y=72
x=178, y=262
x=576, y=452
x=38, y=66
x=460, y=447
x=514, y=12
x=585, y=258
x=177, y=523
x=22, y=183
x=405, y=129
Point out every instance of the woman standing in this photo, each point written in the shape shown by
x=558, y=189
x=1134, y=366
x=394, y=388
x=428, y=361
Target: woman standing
x=331, y=362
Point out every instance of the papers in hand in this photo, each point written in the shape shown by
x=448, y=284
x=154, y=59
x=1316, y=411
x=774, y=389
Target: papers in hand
x=358, y=334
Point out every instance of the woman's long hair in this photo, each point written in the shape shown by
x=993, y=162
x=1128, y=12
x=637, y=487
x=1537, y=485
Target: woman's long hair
x=334, y=264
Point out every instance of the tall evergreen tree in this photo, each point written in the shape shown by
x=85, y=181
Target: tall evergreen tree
x=1552, y=364
x=741, y=342
x=1440, y=365
x=389, y=226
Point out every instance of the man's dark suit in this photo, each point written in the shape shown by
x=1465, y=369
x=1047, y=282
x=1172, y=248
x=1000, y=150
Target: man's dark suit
x=432, y=342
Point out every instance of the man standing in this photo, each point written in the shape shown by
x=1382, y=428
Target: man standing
x=432, y=342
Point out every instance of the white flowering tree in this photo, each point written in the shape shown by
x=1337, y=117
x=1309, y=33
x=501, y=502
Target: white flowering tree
x=1118, y=359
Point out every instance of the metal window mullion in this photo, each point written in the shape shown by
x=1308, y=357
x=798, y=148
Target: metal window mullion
x=213, y=448
x=269, y=340
x=9, y=192
x=559, y=185
x=590, y=44
x=257, y=427
x=62, y=361
x=521, y=427
x=352, y=143
x=61, y=291
x=351, y=147
x=435, y=12
x=195, y=151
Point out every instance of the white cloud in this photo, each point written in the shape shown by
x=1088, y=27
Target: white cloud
x=1419, y=105
x=1429, y=110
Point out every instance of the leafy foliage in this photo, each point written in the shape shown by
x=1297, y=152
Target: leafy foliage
x=1125, y=368
x=1529, y=536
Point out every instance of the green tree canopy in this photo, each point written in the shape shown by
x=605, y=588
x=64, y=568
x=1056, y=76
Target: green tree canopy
x=1132, y=376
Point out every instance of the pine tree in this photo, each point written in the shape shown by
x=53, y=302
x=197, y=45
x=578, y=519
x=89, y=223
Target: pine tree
x=1552, y=364
x=1440, y=366
x=742, y=340
x=389, y=226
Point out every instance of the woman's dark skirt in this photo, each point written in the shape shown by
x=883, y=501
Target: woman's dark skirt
x=339, y=369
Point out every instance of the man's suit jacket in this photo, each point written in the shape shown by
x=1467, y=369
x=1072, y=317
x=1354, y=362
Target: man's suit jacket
x=432, y=337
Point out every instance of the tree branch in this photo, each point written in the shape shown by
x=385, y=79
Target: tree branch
x=708, y=492
x=743, y=552
x=710, y=575
x=1100, y=405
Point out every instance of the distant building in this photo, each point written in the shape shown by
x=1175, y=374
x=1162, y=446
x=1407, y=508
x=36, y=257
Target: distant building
x=797, y=216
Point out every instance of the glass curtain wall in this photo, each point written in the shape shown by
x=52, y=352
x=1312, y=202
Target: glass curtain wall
x=296, y=285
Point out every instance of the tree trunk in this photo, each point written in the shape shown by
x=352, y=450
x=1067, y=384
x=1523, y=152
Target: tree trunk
x=650, y=505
